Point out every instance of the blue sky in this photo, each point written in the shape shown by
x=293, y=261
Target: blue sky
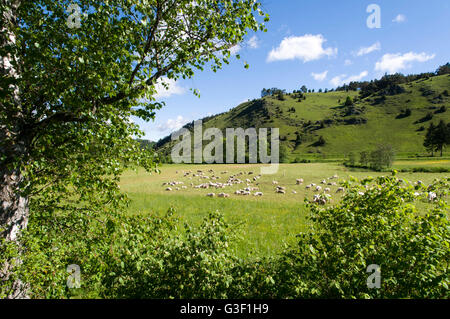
x=320, y=44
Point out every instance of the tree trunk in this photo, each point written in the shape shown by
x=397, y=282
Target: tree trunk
x=13, y=219
x=13, y=205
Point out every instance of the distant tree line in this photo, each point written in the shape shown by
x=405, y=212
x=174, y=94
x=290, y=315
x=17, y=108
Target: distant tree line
x=146, y=144
x=390, y=84
x=272, y=91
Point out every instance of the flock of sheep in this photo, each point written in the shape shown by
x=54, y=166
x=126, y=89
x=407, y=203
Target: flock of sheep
x=250, y=183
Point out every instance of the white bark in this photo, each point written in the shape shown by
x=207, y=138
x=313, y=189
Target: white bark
x=13, y=205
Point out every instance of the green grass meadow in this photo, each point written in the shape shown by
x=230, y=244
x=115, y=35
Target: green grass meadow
x=263, y=223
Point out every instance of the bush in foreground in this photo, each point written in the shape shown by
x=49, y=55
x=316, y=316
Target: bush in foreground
x=375, y=223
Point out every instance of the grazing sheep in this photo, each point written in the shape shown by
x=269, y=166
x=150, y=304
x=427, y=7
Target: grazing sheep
x=322, y=199
x=299, y=181
x=432, y=196
x=281, y=191
x=258, y=194
x=223, y=195
x=327, y=190
x=211, y=195
x=238, y=192
x=275, y=182
x=246, y=193
x=324, y=182
x=332, y=184
x=340, y=190
x=168, y=189
x=294, y=192
x=308, y=187
x=318, y=189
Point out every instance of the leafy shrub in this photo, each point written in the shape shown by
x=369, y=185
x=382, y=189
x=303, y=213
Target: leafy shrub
x=404, y=113
x=148, y=264
x=376, y=223
x=320, y=142
x=382, y=157
x=426, y=170
x=348, y=101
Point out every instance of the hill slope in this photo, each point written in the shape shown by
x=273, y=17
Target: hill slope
x=378, y=118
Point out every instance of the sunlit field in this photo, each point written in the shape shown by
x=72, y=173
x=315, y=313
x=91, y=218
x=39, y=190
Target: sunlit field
x=264, y=222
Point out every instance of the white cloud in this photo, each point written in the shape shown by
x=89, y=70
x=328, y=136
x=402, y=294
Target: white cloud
x=393, y=63
x=399, y=18
x=307, y=48
x=343, y=79
x=366, y=50
x=172, y=88
x=253, y=43
x=173, y=124
x=319, y=76
x=348, y=62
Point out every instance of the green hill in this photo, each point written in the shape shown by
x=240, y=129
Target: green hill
x=397, y=116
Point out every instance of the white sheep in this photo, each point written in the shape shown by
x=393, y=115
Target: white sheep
x=322, y=199
x=432, y=196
